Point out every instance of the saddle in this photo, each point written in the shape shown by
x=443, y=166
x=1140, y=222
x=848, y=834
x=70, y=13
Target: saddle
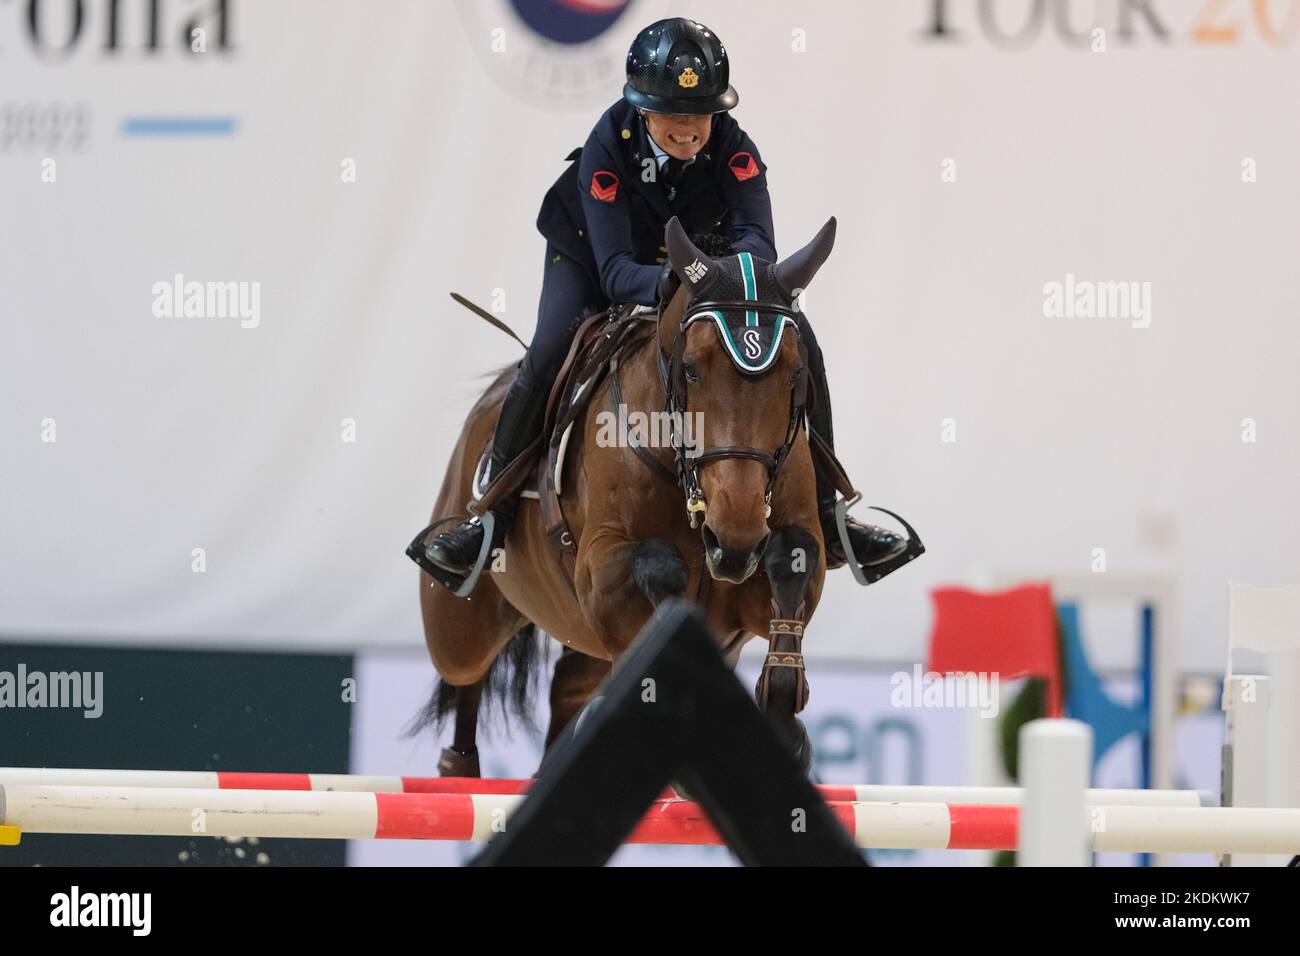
x=597, y=346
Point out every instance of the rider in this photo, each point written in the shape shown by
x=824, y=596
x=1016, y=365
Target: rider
x=668, y=148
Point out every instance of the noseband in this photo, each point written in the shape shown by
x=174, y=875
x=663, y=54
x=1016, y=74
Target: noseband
x=672, y=375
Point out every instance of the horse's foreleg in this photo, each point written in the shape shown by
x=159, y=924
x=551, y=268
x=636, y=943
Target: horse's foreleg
x=659, y=570
x=790, y=561
x=619, y=582
x=612, y=576
x=461, y=758
x=576, y=677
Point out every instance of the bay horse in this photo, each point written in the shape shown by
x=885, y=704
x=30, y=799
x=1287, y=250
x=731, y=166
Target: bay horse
x=732, y=521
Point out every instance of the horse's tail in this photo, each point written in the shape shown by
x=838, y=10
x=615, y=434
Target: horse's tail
x=508, y=690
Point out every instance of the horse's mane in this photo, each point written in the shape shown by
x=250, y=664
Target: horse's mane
x=714, y=245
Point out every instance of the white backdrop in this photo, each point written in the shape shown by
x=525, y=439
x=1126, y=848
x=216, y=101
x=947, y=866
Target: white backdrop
x=1071, y=434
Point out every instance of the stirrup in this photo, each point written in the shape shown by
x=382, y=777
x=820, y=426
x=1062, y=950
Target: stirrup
x=864, y=576
x=458, y=586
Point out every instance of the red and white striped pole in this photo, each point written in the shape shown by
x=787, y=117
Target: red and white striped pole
x=161, y=811
x=432, y=816
x=226, y=780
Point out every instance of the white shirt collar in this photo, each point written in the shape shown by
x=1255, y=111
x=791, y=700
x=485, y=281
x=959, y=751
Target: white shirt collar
x=661, y=157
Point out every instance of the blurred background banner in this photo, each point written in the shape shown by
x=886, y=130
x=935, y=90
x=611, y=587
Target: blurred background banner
x=328, y=171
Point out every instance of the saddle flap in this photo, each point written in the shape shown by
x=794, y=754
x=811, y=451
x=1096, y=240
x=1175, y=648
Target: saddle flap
x=585, y=368
x=483, y=476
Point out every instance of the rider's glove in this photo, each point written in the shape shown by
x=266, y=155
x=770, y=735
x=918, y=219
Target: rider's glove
x=668, y=283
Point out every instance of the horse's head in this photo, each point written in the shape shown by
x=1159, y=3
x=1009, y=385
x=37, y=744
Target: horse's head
x=736, y=373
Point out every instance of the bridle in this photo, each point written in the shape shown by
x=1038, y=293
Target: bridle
x=672, y=375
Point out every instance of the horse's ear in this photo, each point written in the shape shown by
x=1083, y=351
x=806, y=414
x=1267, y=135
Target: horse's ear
x=694, y=268
x=795, y=272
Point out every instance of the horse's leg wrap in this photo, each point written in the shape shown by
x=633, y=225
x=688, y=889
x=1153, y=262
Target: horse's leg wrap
x=784, y=653
x=790, y=560
x=453, y=763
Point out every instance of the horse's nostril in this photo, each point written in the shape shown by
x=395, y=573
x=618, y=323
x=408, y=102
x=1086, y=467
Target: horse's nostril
x=731, y=564
x=714, y=546
x=711, y=543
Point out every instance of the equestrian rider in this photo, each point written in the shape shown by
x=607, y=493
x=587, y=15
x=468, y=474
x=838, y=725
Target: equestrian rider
x=668, y=148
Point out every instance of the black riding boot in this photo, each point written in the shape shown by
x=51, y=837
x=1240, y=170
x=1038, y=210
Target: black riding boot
x=871, y=544
x=517, y=425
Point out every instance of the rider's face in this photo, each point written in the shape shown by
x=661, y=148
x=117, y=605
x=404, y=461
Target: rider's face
x=681, y=137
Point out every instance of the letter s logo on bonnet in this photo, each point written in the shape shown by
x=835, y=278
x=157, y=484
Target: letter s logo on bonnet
x=753, y=348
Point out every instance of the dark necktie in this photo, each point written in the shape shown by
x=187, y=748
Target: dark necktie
x=673, y=171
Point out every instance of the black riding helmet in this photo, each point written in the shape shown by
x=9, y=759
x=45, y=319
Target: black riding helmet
x=679, y=66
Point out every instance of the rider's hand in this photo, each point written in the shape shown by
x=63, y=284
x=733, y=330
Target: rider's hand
x=668, y=283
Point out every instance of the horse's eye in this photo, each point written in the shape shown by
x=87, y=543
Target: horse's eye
x=692, y=373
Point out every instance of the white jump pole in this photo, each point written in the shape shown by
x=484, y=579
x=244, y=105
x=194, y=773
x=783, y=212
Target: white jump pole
x=1011, y=796
x=1218, y=830
x=1055, y=764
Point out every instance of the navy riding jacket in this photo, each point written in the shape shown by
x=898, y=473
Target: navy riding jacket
x=607, y=211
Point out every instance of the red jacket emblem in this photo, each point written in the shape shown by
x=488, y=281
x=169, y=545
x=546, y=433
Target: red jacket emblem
x=604, y=185
x=743, y=166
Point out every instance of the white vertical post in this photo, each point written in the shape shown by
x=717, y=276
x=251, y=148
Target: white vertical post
x=1246, y=704
x=1055, y=767
x=1284, y=729
x=1266, y=620
x=1164, y=686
